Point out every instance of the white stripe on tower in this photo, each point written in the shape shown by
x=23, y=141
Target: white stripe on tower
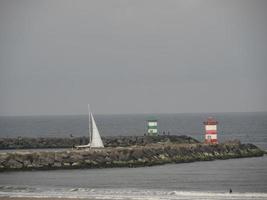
x=211, y=127
x=211, y=131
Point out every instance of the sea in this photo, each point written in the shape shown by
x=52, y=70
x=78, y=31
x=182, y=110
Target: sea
x=246, y=177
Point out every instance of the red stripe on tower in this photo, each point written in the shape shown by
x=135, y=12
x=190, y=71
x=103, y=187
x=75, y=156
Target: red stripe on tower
x=211, y=131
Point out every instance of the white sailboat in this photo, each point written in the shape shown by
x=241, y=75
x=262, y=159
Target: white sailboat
x=95, y=140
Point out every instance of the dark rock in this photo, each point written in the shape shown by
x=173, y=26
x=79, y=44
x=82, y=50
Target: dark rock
x=29, y=143
x=153, y=153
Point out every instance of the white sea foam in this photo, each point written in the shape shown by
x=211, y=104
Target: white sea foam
x=125, y=194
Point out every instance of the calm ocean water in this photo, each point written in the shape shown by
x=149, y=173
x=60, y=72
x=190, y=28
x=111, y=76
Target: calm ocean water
x=200, y=180
x=247, y=127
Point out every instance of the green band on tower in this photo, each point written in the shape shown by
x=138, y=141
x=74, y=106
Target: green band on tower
x=152, y=127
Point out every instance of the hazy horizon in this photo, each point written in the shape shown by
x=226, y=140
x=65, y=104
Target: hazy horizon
x=132, y=57
x=82, y=114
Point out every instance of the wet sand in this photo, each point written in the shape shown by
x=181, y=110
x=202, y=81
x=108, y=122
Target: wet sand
x=41, y=198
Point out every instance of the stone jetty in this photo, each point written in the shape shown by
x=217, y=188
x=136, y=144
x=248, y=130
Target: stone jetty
x=112, y=141
x=154, y=153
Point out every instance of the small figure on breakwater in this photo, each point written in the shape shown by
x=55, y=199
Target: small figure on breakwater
x=230, y=191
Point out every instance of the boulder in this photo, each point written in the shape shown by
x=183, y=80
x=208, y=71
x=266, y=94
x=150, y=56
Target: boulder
x=13, y=164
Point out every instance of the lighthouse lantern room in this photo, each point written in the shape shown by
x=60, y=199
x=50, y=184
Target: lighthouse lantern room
x=211, y=131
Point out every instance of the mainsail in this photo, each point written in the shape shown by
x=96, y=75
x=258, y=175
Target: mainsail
x=95, y=140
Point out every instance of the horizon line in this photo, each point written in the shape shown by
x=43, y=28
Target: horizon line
x=155, y=113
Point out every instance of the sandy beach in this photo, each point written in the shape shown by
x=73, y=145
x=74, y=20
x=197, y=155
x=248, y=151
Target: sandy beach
x=39, y=198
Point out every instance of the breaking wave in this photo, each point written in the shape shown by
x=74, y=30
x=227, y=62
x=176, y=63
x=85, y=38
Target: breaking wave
x=123, y=194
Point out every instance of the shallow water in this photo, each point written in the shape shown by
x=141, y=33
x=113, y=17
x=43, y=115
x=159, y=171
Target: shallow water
x=247, y=177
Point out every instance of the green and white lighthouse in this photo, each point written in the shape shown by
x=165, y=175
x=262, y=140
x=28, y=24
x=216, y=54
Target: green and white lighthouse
x=152, y=127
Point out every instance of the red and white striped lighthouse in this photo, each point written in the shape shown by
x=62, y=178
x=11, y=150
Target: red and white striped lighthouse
x=211, y=131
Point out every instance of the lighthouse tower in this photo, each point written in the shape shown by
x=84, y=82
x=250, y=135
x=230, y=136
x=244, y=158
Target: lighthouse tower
x=211, y=131
x=152, y=127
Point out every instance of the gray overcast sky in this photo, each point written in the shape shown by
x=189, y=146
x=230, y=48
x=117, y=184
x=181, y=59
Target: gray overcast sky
x=132, y=56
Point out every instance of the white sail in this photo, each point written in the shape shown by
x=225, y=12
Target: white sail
x=96, y=140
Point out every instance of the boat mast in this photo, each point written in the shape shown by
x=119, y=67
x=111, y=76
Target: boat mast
x=89, y=125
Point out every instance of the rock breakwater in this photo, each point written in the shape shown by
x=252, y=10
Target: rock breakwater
x=122, y=141
x=134, y=156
